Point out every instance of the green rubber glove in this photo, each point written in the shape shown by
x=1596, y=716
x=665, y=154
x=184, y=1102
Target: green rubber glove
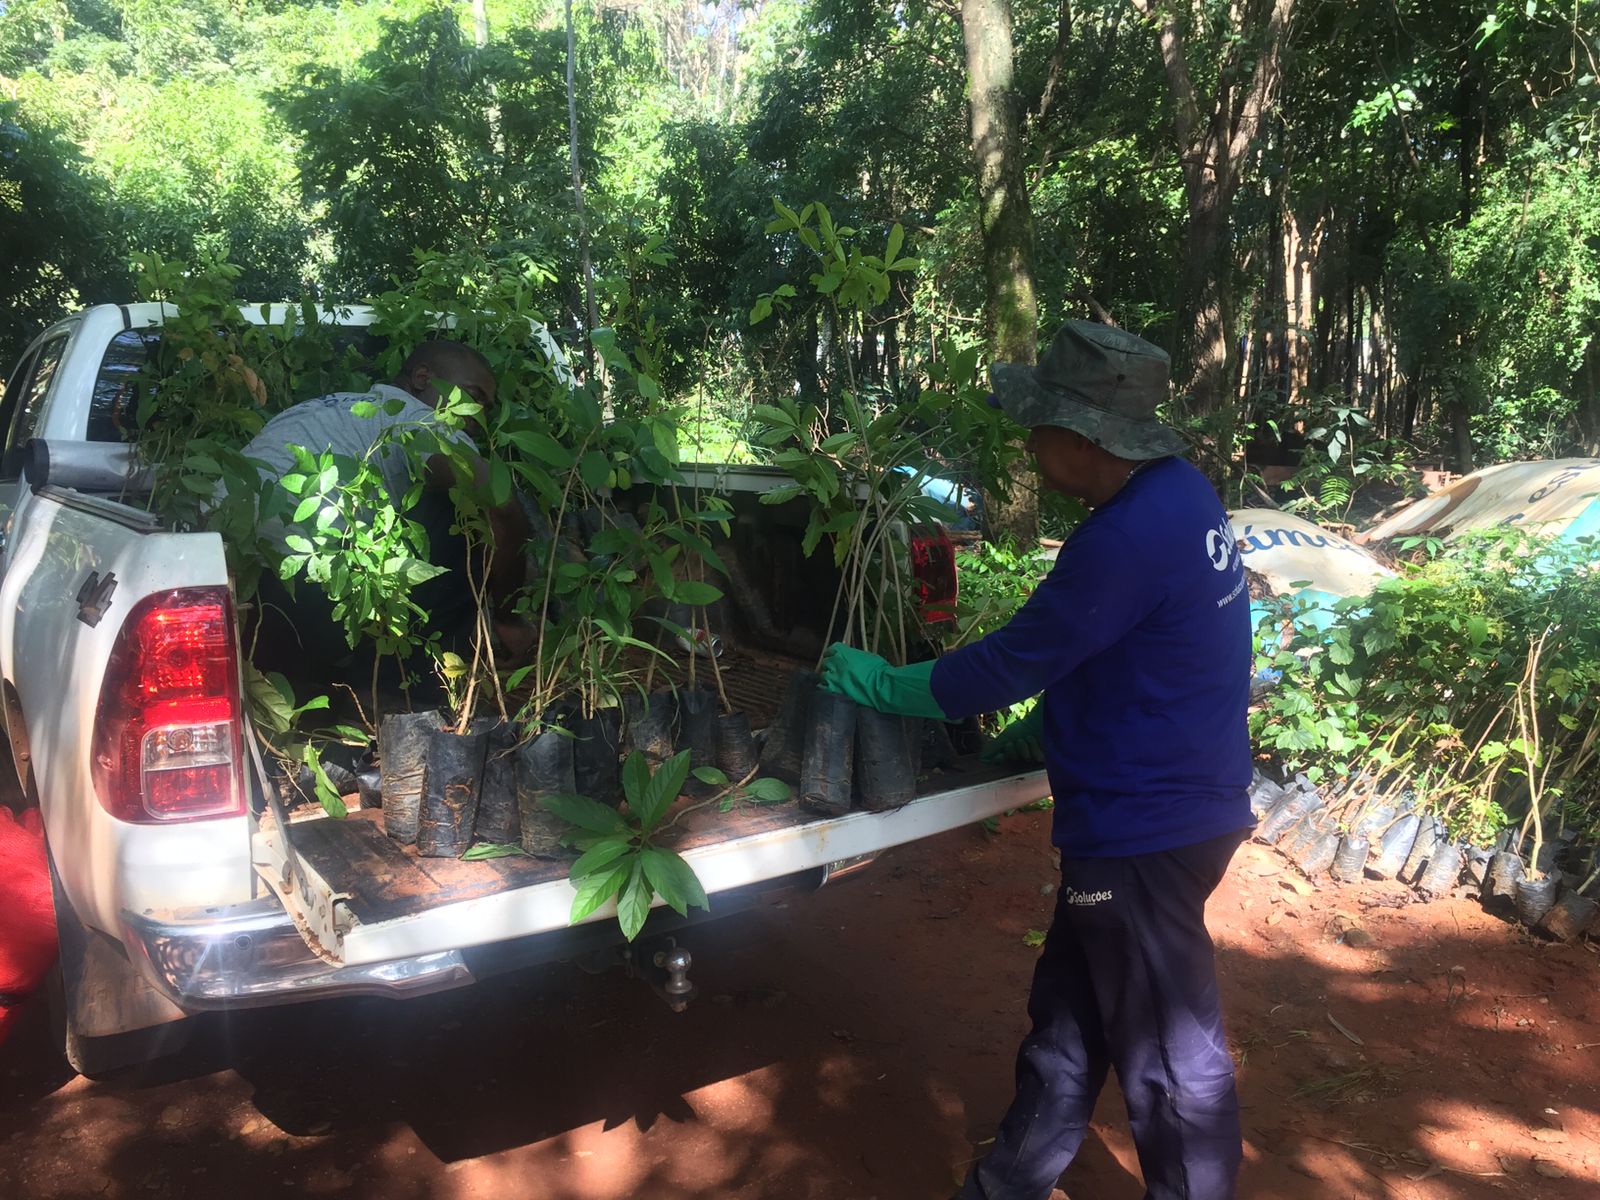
x=1019, y=741
x=869, y=680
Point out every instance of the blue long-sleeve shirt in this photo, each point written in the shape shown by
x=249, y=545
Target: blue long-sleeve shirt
x=1139, y=641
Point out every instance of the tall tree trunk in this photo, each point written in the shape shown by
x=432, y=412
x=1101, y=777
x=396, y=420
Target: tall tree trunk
x=584, y=265
x=1005, y=218
x=1214, y=136
x=1459, y=415
x=480, y=39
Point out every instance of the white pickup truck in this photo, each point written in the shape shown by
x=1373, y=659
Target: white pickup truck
x=178, y=890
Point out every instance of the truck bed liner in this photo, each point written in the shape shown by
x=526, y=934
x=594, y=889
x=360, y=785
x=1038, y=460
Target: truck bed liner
x=383, y=880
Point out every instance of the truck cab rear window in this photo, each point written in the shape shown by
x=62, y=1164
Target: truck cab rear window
x=114, y=403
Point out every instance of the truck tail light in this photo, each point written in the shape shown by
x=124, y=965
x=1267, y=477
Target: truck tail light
x=167, y=732
x=933, y=565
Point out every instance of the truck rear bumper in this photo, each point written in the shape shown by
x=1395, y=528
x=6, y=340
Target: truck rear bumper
x=251, y=954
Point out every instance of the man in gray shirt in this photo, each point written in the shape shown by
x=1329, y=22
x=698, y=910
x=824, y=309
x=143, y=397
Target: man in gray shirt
x=331, y=423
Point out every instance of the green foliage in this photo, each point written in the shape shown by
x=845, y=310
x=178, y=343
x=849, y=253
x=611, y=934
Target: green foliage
x=620, y=859
x=996, y=580
x=400, y=148
x=861, y=466
x=1435, y=181
x=624, y=857
x=1341, y=455
x=62, y=232
x=349, y=538
x=211, y=380
x=1468, y=680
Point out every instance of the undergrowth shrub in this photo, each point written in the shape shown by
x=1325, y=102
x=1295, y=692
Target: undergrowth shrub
x=1468, y=682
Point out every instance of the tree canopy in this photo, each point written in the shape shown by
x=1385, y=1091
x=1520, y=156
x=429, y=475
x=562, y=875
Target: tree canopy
x=1386, y=207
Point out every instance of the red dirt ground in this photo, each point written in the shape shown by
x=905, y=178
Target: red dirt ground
x=857, y=1044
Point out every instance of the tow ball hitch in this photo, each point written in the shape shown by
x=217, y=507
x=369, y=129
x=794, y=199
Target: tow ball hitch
x=664, y=965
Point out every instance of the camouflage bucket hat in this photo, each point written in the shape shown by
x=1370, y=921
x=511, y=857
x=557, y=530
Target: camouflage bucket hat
x=1102, y=382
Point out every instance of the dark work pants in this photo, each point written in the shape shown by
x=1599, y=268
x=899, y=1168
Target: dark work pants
x=1127, y=979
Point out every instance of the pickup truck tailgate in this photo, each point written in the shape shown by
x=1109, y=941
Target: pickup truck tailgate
x=360, y=898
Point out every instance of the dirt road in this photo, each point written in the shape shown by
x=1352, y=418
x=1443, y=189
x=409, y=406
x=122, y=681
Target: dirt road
x=854, y=1045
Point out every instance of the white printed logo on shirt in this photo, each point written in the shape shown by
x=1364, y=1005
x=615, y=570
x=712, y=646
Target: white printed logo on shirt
x=1221, y=546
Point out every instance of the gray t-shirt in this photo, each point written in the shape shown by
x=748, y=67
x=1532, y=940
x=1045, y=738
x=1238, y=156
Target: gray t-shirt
x=327, y=423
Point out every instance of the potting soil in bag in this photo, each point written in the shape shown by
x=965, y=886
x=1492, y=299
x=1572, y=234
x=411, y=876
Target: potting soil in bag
x=402, y=757
x=369, y=786
x=785, y=742
x=1374, y=819
x=737, y=756
x=1429, y=834
x=1570, y=917
x=885, y=773
x=937, y=750
x=1300, y=836
x=1317, y=855
x=1475, y=864
x=1500, y=882
x=544, y=768
x=828, y=765
x=697, y=732
x=498, y=820
x=450, y=788
x=1442, y=871
x=1394, y=847
x=1285, y=814
x=1264, y=793
x=649, y=725
x=596, y=743
x=1535, y=897
x=1351, y=860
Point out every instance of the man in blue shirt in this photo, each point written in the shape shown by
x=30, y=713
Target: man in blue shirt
x=1138, y=643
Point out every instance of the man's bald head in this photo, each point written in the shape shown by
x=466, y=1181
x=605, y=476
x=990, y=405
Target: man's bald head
x=439, y=363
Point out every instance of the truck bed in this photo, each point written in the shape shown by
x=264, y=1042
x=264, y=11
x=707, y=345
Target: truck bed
x=359, y=897
x=380, y=880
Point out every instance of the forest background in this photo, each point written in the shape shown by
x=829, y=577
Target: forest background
x=1367, y=230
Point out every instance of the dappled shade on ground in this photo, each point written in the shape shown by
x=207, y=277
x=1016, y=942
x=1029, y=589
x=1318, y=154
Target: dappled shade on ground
x=858, y=1044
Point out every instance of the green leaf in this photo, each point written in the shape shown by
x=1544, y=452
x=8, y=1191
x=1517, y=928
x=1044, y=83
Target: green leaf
x=305, y=508
x=710, y=775
x=499, y=482
x=782, y=495
x=584, y=813
x=543, y=447
x=838, y=443
x=299, y=542
x=662, y=790
x=367, y=408
x=635, y=779
x=768, y=791
x=270, y=709
x=485, y=850
x=674, y=880
x=694, y=592
x=633, y=906
x=595, y=470
x=599, y=856
x=594, y=890
x=332, y=802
